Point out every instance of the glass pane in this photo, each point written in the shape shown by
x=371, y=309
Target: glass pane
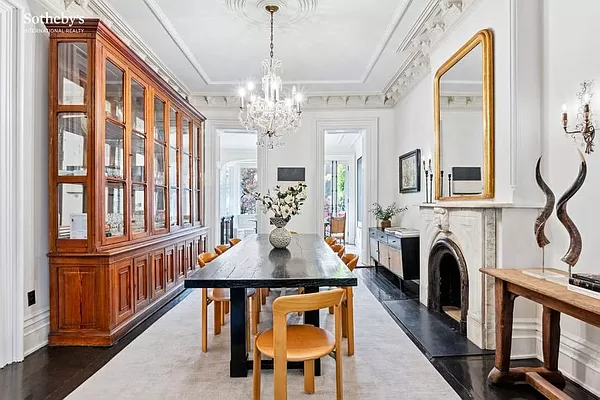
x=113, y=150
x=72, y=214
x=172, y=167
x=186, y=135
x=114, y=194
x=248, y=183
x=159, y=164
x=138, y=206
x=160, y=208
x=138, y=152
x=72, y=73
x=186, y=208
x=185, y=171
x=72, y=144
x=137, y=107
x=198, y=206
x=159, y=119
x=173, y=206
x=113, y=102
x=173, y=127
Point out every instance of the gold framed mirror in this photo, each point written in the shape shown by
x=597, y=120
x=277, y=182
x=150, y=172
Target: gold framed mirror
x=464, y=122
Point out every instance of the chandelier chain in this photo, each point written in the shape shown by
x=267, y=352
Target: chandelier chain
x=271, y=35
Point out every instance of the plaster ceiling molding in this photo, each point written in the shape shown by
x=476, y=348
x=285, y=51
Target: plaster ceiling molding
x=82, y=3
x=290, y=12
x=436, y=19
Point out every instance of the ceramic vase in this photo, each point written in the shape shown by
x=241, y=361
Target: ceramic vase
x=280, y=238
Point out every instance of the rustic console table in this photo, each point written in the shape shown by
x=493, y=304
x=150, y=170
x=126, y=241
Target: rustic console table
x=555, y=298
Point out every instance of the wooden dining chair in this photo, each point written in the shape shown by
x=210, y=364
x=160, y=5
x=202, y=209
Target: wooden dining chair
x=330, y=241
x=221, y=248
x=339, y=249
x=337, y=229
x=234, y=241
x=351, y=260
x=305, y=343
x=219, y=297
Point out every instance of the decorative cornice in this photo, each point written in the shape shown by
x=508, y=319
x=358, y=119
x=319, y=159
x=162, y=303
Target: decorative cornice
x=438, y=17
x=311, y=102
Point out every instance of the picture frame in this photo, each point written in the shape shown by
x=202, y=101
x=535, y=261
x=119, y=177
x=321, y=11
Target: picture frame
x=409, y=168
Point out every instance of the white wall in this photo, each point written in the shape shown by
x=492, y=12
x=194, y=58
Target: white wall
x=569, y=37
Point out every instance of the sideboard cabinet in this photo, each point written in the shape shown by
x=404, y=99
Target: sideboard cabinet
x=398, y=252
x=126, y=184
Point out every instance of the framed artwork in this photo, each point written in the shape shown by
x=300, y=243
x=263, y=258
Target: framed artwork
x=410, y=172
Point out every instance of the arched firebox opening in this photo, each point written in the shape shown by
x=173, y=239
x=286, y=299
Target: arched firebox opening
x=448, y=290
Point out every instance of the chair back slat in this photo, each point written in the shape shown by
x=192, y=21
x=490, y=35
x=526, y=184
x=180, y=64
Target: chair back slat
x=307, y=302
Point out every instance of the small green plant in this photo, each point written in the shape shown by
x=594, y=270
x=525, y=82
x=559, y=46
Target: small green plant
x=388, y=212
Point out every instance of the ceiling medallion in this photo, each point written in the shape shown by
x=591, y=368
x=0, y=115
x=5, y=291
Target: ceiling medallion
x=290, y=11
x=271, y=115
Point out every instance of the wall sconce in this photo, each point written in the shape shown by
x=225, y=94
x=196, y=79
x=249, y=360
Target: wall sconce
x=585, y=127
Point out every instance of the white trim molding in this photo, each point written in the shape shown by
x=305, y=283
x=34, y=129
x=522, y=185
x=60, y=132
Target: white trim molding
x=12, y=44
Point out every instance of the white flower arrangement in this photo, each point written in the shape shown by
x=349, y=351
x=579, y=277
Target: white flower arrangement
x=283, y=204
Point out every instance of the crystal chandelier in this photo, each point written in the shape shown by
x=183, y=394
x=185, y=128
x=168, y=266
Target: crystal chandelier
x=270, y=115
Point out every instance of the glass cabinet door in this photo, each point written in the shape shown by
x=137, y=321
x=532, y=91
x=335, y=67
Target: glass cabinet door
x=72, y=144
x=72, y=73
x=138, y=158
x=114, y=152
x=160, y=167
x=173, y=169
x=186, y=179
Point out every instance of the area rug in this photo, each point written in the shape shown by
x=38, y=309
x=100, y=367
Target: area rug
x=166, y=362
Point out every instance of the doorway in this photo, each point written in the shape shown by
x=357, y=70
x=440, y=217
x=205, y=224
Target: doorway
x=342, y=150
x=238, y=175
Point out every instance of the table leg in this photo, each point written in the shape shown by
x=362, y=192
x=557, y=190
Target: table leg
x=504, y=323
x=551, y=344
x=312, y=318
x=238, y=366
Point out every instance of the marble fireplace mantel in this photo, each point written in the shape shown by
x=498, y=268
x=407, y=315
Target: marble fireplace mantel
x=489, y=235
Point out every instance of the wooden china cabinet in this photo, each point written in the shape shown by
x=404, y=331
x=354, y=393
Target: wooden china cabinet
x=126, y=187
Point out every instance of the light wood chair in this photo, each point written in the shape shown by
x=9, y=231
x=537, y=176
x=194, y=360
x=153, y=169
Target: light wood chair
x=234, y=241
x=338, y=248
x=221, y=248
x=351, y=261
x=330, y=241
x=220, y=297
x=337, y=228
x=299, y=342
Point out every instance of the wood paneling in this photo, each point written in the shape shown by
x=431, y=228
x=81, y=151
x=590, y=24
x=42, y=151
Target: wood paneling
x=189, y=257
x=159, y=270
x=76, y=303
x=123, y=290
x=142, y=282
x=171, y=264
x=180, y=262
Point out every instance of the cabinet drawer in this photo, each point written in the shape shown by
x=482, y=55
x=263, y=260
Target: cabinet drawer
x=394, y=241
x=373, y=233
x=382, y=237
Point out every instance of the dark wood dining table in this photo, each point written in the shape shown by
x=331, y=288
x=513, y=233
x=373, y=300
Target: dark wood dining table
x=307, y=262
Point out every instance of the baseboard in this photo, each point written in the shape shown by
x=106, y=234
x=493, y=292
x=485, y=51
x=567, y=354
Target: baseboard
x=35, y=331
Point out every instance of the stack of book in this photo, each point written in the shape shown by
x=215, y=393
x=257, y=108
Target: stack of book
x=586, y=281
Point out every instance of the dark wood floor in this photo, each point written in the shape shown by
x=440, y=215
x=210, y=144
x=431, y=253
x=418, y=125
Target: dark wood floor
x=53, y=373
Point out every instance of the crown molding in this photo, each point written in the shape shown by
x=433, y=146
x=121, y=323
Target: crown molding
x=437, y=19
x=374, y=100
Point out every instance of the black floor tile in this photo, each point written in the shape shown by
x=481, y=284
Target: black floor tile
x=435, y=337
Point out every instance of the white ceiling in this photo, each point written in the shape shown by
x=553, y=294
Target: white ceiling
x=327, y=46
x=341, y=142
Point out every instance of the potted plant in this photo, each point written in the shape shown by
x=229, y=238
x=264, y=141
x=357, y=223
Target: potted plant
x=386, y=214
